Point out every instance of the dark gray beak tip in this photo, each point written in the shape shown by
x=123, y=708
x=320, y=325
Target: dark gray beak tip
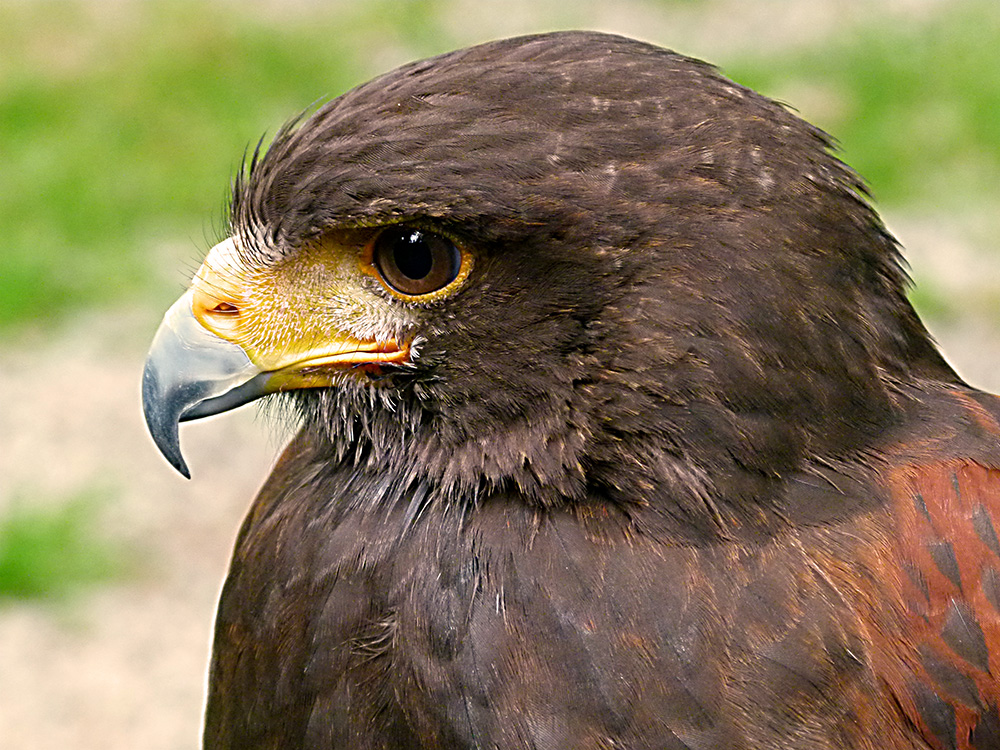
x=162, y=418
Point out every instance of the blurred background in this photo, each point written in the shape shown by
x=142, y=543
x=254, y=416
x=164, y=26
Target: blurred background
x=121, y=124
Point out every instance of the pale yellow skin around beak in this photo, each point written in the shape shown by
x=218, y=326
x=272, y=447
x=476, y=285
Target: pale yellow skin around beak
x=282, y=317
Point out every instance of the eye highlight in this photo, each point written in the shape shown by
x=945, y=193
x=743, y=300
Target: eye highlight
x=415, y=263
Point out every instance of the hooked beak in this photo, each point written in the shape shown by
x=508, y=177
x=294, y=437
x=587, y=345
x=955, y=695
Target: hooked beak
x=204, y=360
x=190, y=373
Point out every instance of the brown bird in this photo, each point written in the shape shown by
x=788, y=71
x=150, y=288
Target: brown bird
x=617, y=427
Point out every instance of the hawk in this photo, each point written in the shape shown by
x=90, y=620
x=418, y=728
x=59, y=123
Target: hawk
x=617, y=427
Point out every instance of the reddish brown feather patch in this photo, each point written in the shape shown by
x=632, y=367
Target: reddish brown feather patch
x=946, y=539
x=982, y=416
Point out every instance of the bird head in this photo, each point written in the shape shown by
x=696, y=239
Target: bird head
x=569, y=264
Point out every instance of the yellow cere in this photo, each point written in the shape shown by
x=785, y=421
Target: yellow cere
x=310, y=308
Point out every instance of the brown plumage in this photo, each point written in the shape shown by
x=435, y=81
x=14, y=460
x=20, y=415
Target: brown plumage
x=618, y=430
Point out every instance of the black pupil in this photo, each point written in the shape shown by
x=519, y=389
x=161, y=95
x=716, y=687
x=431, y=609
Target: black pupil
x=413, y=256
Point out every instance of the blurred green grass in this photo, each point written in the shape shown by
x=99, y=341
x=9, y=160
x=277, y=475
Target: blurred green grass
x=120, y=127
x=121, y=123
x=914, y=105
x=52, y=549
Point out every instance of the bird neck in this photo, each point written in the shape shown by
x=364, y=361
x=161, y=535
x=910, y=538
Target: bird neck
x=691, y=469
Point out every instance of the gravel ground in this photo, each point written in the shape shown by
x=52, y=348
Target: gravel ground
x=123, y=666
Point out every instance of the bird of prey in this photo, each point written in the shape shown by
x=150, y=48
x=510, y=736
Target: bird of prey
x=617, y=428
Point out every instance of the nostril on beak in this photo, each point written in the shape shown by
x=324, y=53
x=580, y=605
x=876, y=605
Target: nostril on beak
x=216, y=308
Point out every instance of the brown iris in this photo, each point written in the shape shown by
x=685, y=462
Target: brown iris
x=415, y=262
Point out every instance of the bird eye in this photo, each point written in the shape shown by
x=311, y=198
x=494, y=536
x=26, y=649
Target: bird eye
x=414, y=262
